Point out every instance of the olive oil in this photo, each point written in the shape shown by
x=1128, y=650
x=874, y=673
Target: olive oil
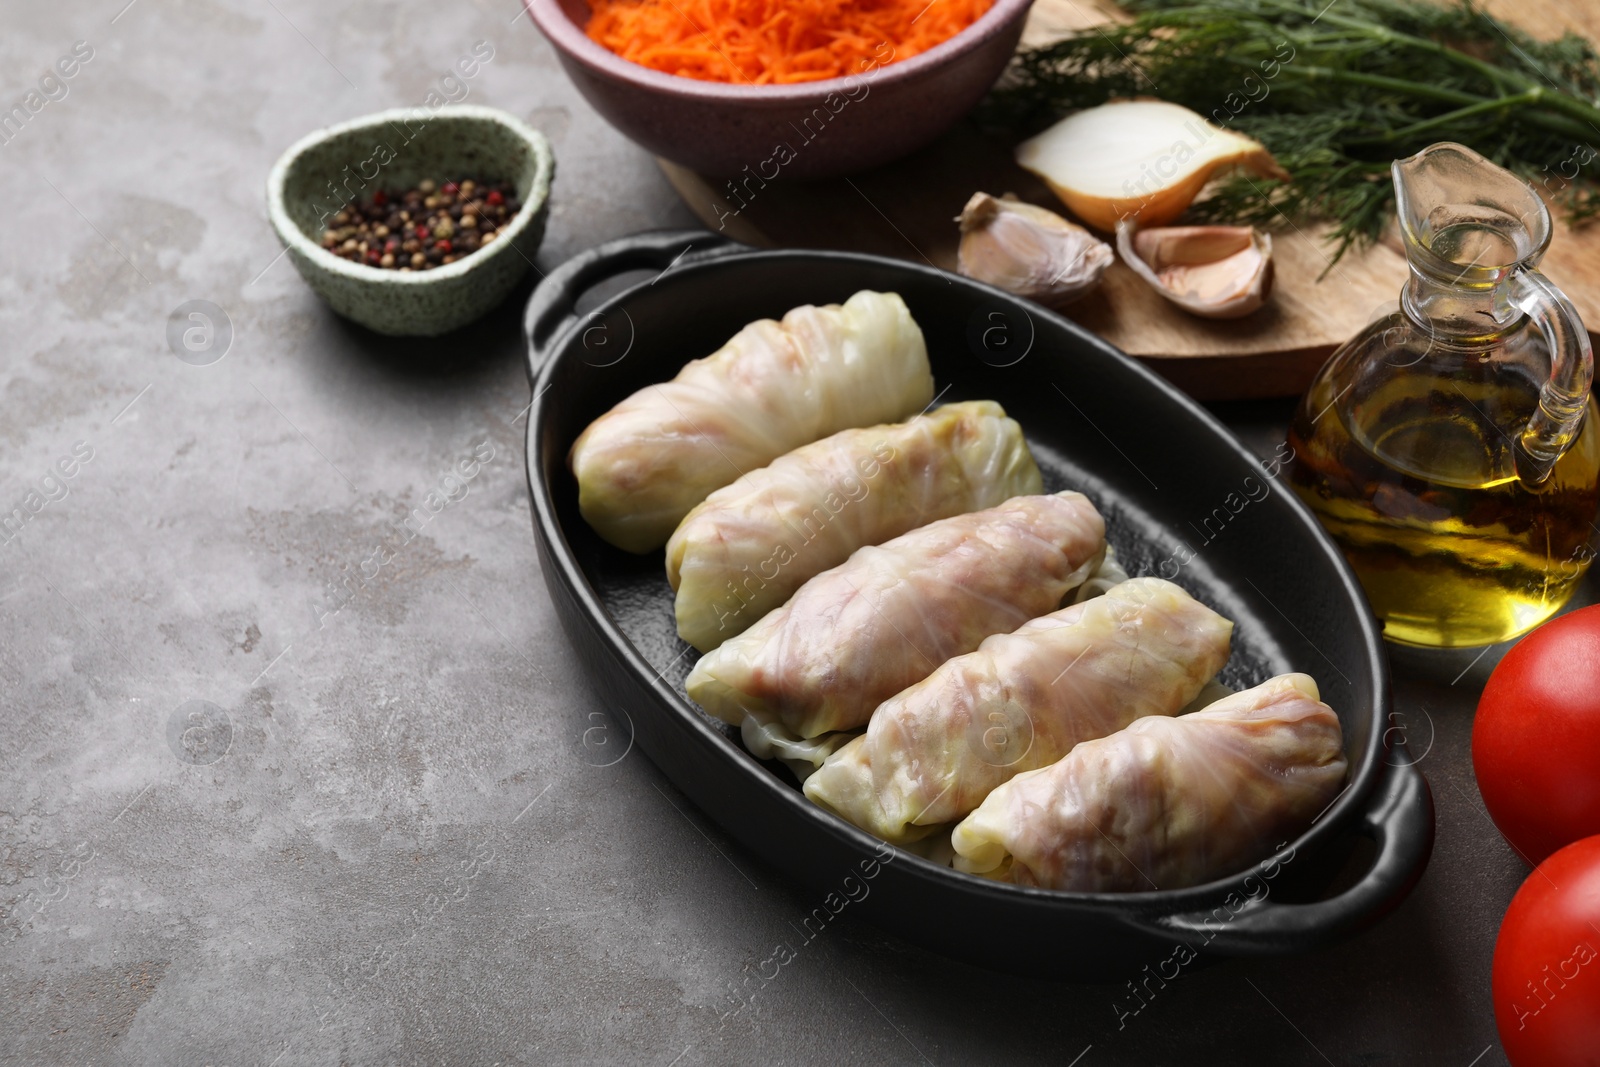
x=1413, y=473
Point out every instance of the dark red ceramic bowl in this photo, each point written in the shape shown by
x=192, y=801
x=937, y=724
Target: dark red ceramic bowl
x=813, y=130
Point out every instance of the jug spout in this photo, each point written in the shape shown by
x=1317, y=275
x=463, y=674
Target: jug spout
x=1466, y=220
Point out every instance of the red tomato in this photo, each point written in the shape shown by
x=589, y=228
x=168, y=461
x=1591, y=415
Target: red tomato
x=1547, y=963
x=1536, y=739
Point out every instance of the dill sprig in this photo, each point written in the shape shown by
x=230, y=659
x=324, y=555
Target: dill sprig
x=1335, y=91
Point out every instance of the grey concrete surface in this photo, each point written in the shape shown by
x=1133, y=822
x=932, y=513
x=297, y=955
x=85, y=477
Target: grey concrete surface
x=391, y=833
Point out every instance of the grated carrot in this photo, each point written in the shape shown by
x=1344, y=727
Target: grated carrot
x=763, y=42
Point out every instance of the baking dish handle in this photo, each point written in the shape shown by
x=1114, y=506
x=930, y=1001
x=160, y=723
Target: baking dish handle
x=1400, y=822
x=551, y=307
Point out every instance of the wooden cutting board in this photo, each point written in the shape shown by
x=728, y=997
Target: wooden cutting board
x=907, y=209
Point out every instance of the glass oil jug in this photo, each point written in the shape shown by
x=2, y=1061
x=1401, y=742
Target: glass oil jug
x=1451, y=448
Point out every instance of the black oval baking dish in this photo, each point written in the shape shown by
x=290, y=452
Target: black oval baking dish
x=1182, y=499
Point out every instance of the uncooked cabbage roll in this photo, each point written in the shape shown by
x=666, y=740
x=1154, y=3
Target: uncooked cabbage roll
x=748, y=546
x=768, y=738
x=1167, y=802
x=889, y=615
x=775, y=386
x=932, y=753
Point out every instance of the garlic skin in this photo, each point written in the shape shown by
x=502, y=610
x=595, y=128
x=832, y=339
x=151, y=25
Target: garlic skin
x=1143, y=160
x=1028, y=250
x=1216, y=272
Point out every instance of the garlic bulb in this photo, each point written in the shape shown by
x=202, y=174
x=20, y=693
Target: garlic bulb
x=1028, y=250
x=1144, y=160
x=1216, y=272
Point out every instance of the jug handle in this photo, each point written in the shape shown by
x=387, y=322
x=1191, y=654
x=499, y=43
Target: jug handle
x=1565, y=397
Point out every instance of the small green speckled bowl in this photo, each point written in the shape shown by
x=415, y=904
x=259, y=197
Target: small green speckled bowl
x=397, y=149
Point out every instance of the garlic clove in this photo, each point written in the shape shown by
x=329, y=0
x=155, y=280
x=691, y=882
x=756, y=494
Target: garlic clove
x=1216, y=272
x=1144, y=160
x=1029, y=250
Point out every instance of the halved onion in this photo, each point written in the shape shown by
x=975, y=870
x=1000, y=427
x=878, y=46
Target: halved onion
x=1142, y=160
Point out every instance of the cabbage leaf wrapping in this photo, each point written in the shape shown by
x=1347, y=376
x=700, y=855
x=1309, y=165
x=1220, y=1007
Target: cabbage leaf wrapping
x=891, y=614
x=746, y=548
x=1167, y=802
x=774, y=386
x=1021, y=701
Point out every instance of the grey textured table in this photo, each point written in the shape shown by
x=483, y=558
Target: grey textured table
x=397, y=831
